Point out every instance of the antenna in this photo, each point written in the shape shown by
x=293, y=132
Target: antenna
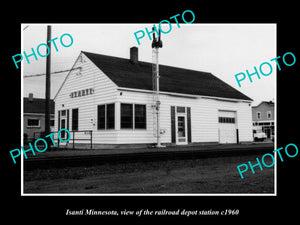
x=156, y=44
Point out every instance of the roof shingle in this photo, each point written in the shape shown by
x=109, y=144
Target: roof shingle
x=37, y=105
x=126, y=74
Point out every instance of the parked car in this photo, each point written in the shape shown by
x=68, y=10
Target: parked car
x=258, y=134
x=272, y=136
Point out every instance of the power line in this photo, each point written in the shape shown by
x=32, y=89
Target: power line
x=43, y=74
x=25, y=27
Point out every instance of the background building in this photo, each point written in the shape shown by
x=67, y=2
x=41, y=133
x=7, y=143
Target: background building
x=263, y=116
x=34, y=117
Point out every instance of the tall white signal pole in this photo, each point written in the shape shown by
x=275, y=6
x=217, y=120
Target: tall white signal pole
x=156, y=44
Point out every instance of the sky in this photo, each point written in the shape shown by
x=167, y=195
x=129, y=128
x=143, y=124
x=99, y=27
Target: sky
x=221, y=49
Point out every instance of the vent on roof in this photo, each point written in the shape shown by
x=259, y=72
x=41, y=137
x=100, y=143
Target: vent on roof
x=134, y=54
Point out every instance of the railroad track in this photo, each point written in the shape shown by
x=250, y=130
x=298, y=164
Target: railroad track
x=91, y=160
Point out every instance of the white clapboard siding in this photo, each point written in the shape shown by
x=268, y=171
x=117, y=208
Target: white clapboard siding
x=243, y=117
x=105, y=91
x=128, y=136
x=204, y=117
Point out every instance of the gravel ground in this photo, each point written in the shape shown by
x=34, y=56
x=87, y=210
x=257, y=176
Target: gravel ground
x=207, y=175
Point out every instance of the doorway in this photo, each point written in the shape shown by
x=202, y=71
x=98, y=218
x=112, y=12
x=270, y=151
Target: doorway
x=181, y=130
x=63, y=123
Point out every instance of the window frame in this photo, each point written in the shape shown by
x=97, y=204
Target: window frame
x=145, y=117
x=180, y=109
x=52, y=121
x=223, y=119
x=112, y=118
x=133, y=117
x=269, y=115
x=258, y=115
x=77, y=119
x=34, y=126
x=106, y=121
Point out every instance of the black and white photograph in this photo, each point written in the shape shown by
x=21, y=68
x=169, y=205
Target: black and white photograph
x=162, y=114
x=150, y=114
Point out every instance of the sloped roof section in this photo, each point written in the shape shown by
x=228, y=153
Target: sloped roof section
x=37, y=105
x=125, y=73
x=269, y=103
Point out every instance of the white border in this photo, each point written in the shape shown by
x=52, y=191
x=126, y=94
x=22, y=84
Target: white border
x=22, y=114
x=120, y=194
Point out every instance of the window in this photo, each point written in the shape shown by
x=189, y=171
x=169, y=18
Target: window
x=140, y=116
x=63, y=112
x=226, y=120
x=258, y=115
x=52, y=122
x=133, y=116
x=110, y=116
x=75, y=119
x=106, y=116
x=126, y=116
x=33, y=123
x=101, y=117
x=180, y=109
x=269, y=115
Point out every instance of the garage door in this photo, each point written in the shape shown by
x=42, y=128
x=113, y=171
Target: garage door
x=227, y=127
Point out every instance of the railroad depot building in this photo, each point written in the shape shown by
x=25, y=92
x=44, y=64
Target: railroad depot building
x=111, y=99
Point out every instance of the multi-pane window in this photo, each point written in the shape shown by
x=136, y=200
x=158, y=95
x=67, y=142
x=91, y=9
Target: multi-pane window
x=226, y=120
x=106, y=116
x=133, y=116
x=63, y=112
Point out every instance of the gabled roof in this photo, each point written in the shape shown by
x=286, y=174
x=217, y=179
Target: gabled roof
x=127, y=74
x=37, y=105
x=270, y=103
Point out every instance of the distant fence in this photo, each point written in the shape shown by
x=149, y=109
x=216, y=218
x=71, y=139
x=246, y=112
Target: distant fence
x=77, y=137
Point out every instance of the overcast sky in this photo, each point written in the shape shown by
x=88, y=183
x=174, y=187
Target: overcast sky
x=222, y=49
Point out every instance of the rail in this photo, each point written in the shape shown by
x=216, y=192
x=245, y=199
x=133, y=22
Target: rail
x=73, y=140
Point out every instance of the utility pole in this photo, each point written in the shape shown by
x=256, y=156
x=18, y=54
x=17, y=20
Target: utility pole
x=156, y=44
x=48, y=84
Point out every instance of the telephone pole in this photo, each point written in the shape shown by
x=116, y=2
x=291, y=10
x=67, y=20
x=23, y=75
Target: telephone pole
x=48, y=84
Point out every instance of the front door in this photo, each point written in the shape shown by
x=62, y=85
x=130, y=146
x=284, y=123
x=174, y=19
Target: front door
x=63, y=126
x=63, y=123
x=181, y=136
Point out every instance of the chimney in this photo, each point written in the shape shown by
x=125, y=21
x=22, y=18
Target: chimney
x=30, y=97
x=134, y=54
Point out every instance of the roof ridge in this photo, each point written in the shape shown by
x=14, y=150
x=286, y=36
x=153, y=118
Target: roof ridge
x=34, y=98
x=164, y=65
